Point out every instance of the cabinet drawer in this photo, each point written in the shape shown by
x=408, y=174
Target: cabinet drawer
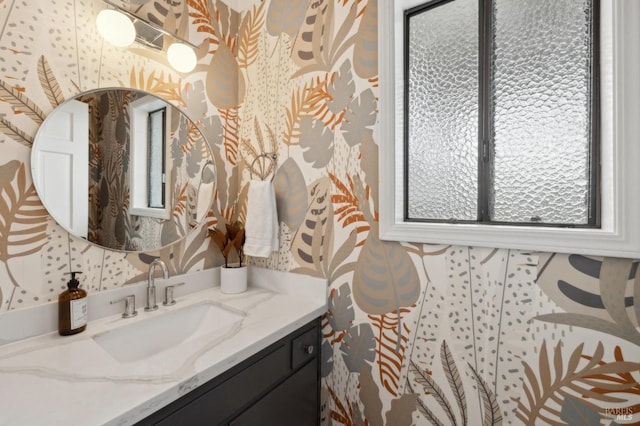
x=304, y=347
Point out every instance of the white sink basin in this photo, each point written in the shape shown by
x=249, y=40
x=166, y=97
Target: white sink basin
x=163, y=331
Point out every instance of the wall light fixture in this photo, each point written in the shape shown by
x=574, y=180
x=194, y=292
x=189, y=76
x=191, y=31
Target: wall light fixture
x=121, y=28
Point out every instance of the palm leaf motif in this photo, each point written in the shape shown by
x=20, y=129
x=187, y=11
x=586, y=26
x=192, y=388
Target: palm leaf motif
x=358, y=347
x=225, y=85
x=181, y=200
x=118, y=189
x=258, y=133
x=343, y=415
x=349, y=210
x=225, y=24
x=14, y=132
x=546, y=392
x=313, y=242
x=230, y=134
x=323, y=95
x=285, y=16
x=455, y=381
x=186, y=139
x=307, y=46
x=96, y=151
x=614, y=275
x=575, y=411
x=370, y=396
x=587, y=298
x=365, y=50
x=291, y=194
x=491, y=408
x=49, y=83
x=425, y=410
x=392, y=344
x=399, y=414
x=429, y=384
x=249, y=36
x=620, y=378
x=385, y=279
x=361, y=115
x=317, y=94
x=158, y=85
x=200, y=11
x=321, y=98
x=427, y=413
x=337, y=266
x=293, y=113
x=20, y=103
x=316, y=47
x=401, y=411
x=24, y=220
x=340, y=313
x=317, y=143
x=118, y=103
x=609, y=383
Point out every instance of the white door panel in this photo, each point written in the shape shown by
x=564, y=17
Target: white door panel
x=63, y=166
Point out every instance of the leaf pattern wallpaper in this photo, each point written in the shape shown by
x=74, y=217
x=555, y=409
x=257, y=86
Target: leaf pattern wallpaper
x=415, y=334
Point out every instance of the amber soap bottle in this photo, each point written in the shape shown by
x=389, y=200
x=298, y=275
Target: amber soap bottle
x=72, y=308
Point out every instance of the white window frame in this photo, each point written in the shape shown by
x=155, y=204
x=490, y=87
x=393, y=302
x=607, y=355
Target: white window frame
x=139, y=166
x=619, y=234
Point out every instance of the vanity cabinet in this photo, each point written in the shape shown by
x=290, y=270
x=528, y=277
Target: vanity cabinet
x=278, y=385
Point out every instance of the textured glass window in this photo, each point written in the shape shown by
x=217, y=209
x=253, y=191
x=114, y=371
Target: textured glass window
x=156, y=158
x=443, y=112
x=526, y=92
x=542, y=108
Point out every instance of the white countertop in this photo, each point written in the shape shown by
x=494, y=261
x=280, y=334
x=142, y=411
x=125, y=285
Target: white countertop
x=55, y=380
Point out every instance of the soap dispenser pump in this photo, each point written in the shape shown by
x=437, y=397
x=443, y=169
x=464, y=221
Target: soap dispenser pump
x=72, y=308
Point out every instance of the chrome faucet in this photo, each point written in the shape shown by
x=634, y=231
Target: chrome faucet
x=151, y=285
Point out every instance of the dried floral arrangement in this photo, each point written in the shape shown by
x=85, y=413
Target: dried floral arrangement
x=229, y=239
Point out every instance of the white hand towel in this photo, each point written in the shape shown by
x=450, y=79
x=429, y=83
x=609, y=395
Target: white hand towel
x=261, y=228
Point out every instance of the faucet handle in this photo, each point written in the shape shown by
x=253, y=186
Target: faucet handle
x=129, y=306
x=168, y=294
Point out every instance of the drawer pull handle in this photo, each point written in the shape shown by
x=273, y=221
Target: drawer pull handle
x=308, y=349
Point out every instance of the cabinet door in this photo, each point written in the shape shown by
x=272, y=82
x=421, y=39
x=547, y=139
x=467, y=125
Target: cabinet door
x=279, y=385
x=231, y=395
x=295, y=402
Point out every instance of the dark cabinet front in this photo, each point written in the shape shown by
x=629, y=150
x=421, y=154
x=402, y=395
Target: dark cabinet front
x=279, y=385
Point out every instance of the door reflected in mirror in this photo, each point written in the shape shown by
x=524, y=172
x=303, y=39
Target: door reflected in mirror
x=123, y=169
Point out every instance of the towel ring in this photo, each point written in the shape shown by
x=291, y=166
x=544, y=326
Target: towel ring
x=265, y=168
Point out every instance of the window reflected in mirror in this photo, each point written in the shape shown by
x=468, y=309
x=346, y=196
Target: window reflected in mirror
x=157, y=148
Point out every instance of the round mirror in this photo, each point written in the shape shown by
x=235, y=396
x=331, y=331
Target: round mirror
x=123, y=169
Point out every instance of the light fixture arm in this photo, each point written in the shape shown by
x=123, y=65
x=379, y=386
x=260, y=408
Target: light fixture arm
x=161, y=31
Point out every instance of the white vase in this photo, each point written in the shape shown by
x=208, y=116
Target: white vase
x=233, y=280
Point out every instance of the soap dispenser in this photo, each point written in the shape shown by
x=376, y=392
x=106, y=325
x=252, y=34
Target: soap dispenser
x=72, y=308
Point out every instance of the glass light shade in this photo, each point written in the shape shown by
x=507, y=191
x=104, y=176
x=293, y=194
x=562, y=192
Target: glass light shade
x=181, y=57
x=116, y=28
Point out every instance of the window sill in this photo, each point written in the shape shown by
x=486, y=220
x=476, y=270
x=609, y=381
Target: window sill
x=564, y=240
x=149, y=212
